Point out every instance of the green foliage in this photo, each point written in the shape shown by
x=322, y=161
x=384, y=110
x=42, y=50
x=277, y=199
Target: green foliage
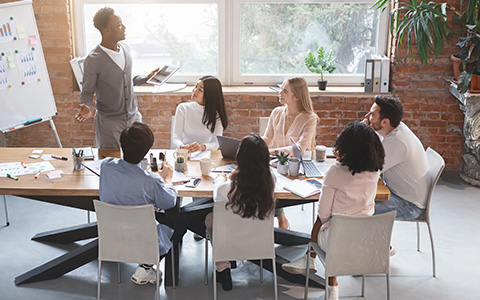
x=320, y=63
x=282, y=157
x=425, y=20
x=180, y=159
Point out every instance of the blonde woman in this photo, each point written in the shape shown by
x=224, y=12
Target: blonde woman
x=294, y=119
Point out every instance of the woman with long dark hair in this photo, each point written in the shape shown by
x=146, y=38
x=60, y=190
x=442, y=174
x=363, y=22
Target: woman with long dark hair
x=248, y=191
x=199, y=121
x=349, y=188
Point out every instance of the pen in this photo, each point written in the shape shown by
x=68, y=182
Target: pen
x=24, y=166
x=38, y=174
x=13, y=177
x=59, y=157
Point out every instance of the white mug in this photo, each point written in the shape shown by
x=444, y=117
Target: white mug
x=321, y=152
x=181, y=152
x=293, y=167
x=206, y=166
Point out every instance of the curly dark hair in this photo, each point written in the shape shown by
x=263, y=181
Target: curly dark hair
x=102, y=18
x=251, y=193
x=390, y=108
x=214, y=103
x=359, y=148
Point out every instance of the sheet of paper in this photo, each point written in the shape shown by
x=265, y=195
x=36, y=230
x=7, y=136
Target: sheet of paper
x=4, y=81
x=55, y=174
x=200, y=154
x=8, y=29
x=34, y=156
x=43, y=166
x=37, y=151
x=226, y=168
x=13, y=168
x=47, y=157
x=281, y=180
x=27, y=65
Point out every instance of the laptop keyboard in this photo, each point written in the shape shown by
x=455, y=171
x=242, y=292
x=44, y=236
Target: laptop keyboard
x=311, y=170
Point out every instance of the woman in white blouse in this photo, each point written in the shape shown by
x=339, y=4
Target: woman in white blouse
x=199, y=121
x=349, y=188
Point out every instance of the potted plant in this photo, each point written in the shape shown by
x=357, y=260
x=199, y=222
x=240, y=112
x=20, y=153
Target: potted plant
x=319, y=64
x=180, y=164
x=282, y=166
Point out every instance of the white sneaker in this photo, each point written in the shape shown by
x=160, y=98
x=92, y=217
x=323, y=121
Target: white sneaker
x=142, y=276
x=393, y=251
x=332, y=292
x=300, y=265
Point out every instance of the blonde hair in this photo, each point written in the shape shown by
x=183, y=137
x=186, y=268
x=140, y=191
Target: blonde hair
x=300, y=90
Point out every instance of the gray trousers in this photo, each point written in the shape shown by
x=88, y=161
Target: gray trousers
x=108, y=130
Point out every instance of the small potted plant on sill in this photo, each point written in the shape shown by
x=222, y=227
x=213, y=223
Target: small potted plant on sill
x=282, y=166
x=319, y=64
x=180, y=164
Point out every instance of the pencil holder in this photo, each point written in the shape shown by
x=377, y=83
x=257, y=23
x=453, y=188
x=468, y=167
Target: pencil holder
x=78, y=163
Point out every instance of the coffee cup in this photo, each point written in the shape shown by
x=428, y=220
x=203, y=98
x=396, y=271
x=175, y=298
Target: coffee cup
x=144, y=164
x=293, y=167
x=321, y=152
x=206, y=166
x=181, y=152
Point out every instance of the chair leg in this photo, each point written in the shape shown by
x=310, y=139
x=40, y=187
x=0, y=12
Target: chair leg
x=261, y=270
x=119, y=276
x=305, y=294
x=157, y=294
x=88, y=216
x=388, y=286
x=418, y=237
x=363, y=285
x=275, y=291
x=214, y=280
x=205, y=276
x=173, y=266
x=433, y=249
x=6, y=210
x=99, y=279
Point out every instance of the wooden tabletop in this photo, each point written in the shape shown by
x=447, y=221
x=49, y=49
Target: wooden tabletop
x=86, y=183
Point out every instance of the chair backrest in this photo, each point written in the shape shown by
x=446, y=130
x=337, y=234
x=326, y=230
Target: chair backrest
x=359, y=245
x=127, y=233
x=262, y=125
x=240, y=238
x=436, y=164
x=172, y=128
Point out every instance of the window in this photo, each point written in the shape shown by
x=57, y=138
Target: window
x=242, y=41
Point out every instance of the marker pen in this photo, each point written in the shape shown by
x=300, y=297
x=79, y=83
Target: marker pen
x=13, y=177
x=24, y=166
x=59, y=157
x=38, y=174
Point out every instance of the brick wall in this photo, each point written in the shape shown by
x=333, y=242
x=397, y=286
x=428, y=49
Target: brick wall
x=429, y=107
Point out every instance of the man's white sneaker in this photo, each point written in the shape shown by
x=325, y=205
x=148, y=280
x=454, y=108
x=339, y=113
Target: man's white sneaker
x=332, y=292
x=300, y=265
x=142, y=276
x=393, y=251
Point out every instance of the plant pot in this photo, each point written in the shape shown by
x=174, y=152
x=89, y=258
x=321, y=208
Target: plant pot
x=322, y=84
x=282, y=169
x=475, y=84
x=179, y=167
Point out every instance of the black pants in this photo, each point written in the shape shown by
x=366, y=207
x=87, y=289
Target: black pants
x=178, y=222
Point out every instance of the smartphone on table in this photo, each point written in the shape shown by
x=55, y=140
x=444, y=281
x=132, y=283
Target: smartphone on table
x=193, y=182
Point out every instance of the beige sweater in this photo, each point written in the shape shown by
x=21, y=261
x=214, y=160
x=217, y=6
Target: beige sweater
x=302, y=130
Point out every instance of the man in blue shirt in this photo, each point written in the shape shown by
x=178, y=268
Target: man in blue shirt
x=124, y=182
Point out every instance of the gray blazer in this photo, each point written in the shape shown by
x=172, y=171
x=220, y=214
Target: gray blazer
x=112, y=86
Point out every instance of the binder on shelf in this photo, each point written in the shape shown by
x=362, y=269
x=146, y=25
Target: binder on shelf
x=385, y=75
x=369, y=75
x=377, y=69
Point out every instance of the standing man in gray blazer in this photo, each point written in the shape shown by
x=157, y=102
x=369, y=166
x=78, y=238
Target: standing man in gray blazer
x=108, y=75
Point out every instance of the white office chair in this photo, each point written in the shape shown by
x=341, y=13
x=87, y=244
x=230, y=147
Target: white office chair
x=262, y=125
x=237, y=238
x=436, y=166
x=127, y=234
x=7, y=222
x=357, y=245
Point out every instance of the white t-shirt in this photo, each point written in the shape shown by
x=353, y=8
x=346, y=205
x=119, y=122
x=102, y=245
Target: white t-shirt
x=117, y=56
x=189, y=128
x=406, y=166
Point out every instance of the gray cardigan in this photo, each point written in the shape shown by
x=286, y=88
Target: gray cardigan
x=112, y=86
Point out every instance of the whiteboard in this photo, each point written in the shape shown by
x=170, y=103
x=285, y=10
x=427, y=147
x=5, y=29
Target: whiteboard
x=25, y=91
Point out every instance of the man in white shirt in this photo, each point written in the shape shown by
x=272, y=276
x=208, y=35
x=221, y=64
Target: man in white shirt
x=406, y=167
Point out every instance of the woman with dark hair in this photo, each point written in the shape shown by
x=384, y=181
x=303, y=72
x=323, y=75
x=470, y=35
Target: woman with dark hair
x=198, y=122
x=248, y=191
x=349, y=188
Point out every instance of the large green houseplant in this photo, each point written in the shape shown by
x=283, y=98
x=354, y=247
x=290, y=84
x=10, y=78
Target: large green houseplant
x=320, y=64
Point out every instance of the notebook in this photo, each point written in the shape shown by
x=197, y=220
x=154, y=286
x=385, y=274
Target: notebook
x=303, y=188
x=87, y=152
x=94, y=166
x=309, y=168
x=228, y=146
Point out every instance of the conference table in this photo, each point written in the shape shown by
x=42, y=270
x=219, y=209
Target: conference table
x=78, y=189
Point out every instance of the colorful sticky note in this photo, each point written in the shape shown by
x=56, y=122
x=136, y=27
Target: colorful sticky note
x=21, y=31
x=32, y=39
x=10, y=60
x=34, y=156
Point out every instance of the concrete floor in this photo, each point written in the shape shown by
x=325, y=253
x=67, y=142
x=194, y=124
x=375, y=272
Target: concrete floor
x=455, y=224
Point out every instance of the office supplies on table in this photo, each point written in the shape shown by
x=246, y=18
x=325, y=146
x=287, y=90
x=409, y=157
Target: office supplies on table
x=87, y=152
x=12, y=177
x=198, y=155
x=193, y=182
x=228, y=146
x=226, y=168
x=309, y=168
x=302, y=188
x=38, y=174
x=93, y=166
x=59, y=157
x=179, y=178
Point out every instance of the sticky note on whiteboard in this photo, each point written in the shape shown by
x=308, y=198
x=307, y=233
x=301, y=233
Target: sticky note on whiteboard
x=32, y=39
x=10, y=60
x=21, y=31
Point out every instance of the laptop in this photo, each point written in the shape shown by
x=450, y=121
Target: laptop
x=309, y=168
x=228, y=146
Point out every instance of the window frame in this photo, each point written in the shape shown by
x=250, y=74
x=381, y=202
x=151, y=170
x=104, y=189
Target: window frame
x=229, y=41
